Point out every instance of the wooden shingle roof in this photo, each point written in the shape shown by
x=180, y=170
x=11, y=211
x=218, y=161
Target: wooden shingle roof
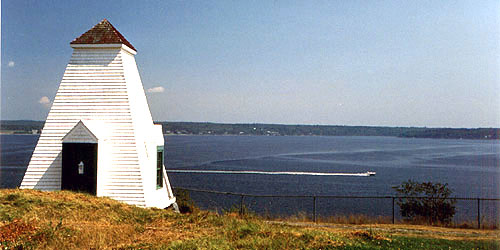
x=102, y=33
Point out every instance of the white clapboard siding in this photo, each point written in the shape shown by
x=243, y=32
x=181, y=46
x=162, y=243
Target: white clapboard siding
x=44, y=170
x=103, y=85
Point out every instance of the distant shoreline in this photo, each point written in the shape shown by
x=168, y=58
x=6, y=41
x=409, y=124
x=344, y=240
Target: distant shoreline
x=483, y=139
x=198, y=128
x=205, y=128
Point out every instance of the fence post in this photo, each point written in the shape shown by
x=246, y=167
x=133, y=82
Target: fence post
x=478, y=213
x=241, y=204
x=314, y=209
x=393, y=210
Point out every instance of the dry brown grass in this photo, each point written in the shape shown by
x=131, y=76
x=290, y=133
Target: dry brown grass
x=16, y=229
x=361, y=219
x=356, y=219
x=66, y=220
x=410, y=230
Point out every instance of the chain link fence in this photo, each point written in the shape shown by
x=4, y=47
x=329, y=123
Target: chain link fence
x=471, y=212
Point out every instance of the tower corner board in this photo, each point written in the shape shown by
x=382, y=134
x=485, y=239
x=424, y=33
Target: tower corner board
x=99, y=135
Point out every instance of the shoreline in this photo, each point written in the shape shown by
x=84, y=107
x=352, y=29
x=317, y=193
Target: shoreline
x=402, y=137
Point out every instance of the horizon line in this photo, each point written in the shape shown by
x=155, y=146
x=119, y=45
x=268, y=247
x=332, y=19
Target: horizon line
x=296, y=124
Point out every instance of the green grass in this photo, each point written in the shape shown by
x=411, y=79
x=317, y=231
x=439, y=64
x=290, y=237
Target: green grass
x=64, y=220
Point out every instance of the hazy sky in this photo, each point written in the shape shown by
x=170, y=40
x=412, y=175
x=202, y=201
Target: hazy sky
x=394, y=63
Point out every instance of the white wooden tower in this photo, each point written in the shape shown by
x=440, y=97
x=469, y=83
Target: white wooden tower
x=99, y=135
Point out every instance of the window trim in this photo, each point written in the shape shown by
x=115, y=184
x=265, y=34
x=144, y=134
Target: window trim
x=159, y=166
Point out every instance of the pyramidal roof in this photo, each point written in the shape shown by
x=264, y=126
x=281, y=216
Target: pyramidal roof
x=102, y=33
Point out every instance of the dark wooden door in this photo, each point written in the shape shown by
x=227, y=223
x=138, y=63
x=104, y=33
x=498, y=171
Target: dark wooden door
x=79, y=167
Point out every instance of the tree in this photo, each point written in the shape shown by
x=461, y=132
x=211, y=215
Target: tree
x=426, y=201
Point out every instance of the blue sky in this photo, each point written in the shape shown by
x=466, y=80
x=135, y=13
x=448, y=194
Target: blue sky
x=388, y=63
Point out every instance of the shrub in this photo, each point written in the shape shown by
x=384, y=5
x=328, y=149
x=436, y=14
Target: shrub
x=184, y=201
x=428, y=201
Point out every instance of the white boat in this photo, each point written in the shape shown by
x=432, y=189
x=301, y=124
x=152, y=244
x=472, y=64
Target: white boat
x=371, y=173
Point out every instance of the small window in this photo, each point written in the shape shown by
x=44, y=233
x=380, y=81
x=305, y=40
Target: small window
x=159, y=167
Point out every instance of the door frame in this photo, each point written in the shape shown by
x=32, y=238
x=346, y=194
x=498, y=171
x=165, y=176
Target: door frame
x=70, y=178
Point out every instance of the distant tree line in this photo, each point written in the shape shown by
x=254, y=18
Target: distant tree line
x=456, y=133
x=206, y=128
x=278, y=129
x=324, y=130
x=21, y=126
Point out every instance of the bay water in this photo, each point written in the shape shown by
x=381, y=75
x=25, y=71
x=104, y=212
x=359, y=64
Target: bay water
x=470, y=167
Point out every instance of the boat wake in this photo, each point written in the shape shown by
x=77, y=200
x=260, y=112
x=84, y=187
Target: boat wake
x=265, y=172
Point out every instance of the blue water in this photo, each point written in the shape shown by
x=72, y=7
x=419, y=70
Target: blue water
x=470, y=167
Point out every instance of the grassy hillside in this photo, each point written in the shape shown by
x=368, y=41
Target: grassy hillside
x=65, y=220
